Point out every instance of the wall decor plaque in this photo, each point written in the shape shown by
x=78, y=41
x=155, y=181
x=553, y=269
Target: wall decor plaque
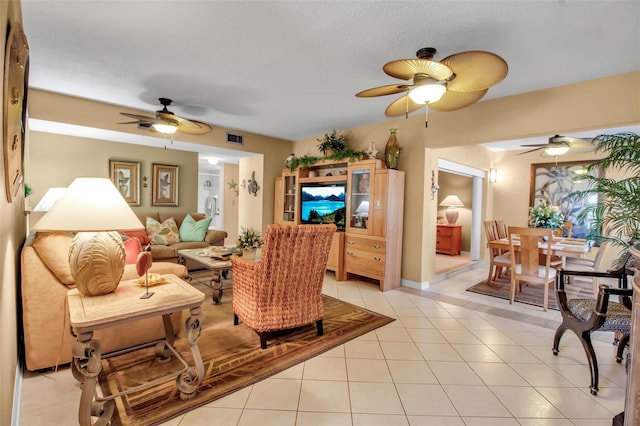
x=16, y=72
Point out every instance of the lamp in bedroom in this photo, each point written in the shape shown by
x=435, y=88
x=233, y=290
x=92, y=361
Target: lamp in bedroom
x=452, y=202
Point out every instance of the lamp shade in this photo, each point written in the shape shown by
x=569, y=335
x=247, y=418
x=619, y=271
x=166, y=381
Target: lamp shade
x=556, y=150
x=452, y=201
x=89, y=204
x=363, y=207
x=428, y=93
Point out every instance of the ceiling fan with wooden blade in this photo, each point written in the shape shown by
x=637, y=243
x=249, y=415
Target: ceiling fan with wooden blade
x=166, y=122
x=559, y=145
x=453, y=83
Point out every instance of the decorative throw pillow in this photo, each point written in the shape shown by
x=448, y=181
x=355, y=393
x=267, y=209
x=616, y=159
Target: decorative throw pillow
x=53, y=249
x=192, y=230
x=164, y=233
x=132, y=248
x=140, y=234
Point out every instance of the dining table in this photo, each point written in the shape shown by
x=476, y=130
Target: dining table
x=560, y=246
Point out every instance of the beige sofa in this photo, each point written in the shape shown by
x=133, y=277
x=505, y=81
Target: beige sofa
x=170, y=253
x=46, y=278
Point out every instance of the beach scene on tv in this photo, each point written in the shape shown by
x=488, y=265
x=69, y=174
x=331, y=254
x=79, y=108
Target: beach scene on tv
x=323, y=204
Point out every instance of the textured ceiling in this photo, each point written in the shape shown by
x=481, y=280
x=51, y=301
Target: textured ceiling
x=291, y=69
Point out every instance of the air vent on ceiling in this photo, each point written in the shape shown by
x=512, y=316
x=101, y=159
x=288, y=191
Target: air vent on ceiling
x=235, y=139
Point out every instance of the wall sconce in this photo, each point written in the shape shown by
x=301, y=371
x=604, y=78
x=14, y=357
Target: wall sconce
x=493, y=175
x=434, y=187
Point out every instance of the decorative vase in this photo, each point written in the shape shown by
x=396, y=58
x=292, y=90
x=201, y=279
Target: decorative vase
x=372, y=151
x=392, y=150
x=363, y=184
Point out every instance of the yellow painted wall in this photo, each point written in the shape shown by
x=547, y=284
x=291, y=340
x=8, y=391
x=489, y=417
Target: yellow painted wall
x=66, y=109
x=231, y=202
x=608, y=102
x=12, y=235
x=56, y=160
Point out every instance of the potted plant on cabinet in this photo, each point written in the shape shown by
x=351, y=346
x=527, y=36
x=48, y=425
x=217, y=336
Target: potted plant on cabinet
x=332, y=142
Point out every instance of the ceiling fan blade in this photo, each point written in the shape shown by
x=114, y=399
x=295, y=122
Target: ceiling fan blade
x=406, y=69
x=452, y=101
x=475, y=70
x=571, y=141
x=383, y=90
x=138, y=117
x=402, y=106
x=129, y=122
x=531, y=150
x=191, y=127
x=537, y=144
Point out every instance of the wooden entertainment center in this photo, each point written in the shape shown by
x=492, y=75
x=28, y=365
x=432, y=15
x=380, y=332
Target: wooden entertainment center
x=371, y=243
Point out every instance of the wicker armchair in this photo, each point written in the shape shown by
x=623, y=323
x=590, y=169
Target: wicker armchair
x=284, y=289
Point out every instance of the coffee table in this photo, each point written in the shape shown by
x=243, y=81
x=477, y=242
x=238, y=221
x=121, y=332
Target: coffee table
x=124, y=305
x=217, y=266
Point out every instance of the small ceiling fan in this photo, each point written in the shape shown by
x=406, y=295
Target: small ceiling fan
x=560, y=145
x=166, y=122
x=453, y=83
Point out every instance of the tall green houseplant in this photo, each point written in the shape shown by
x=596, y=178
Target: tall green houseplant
x=618, y=206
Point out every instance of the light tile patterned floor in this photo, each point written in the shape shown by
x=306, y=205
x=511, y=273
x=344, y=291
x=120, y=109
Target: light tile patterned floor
x=451, y=358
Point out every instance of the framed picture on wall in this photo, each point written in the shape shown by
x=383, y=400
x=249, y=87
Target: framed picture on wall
x=553, y=182
x=164, y=188
x=125, y=175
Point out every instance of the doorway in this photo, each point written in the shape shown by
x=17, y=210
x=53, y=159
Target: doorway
x=465, y=182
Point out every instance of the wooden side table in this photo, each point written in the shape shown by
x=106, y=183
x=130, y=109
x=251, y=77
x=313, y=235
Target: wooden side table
x=449, y=239
x=122, y=306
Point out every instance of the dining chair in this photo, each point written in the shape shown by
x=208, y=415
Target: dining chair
x=501, y=225
x=498, y=259
x=526, y=267
x=585, y=316
x=284, y=289
x=564, y=230
x=588, y=265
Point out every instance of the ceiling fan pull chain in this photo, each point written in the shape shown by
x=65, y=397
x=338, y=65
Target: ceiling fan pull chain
x=426, y=116
x=406, y=112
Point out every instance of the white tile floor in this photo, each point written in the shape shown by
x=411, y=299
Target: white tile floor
x=451, y=358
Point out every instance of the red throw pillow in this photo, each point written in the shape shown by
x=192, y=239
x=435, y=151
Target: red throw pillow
x=132, y=248
x=140, y=234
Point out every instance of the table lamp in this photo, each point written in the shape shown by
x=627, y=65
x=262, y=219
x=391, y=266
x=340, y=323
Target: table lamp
x=50, y=197
x=96, y=210
x=362, y=213
x=452, y=202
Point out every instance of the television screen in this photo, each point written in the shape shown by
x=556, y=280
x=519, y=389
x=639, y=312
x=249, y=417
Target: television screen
x=323, y=203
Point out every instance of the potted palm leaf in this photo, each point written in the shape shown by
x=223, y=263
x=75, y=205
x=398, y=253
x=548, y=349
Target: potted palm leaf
x=618, y=205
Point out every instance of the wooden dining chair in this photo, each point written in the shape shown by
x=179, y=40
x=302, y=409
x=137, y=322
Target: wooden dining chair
x=501, y=226
x=588, y=265
x=526, y=267
x=564, y=230
x=498, y=259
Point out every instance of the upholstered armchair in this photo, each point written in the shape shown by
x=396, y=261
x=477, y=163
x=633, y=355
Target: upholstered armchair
x=284, y=289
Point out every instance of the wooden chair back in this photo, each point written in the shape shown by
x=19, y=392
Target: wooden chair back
x=530, y=260
x=502, y=227
x=564, y=230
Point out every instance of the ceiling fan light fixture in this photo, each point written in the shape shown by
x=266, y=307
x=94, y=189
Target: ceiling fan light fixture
x=556, y=150
x=428, y=93
x=165, y=128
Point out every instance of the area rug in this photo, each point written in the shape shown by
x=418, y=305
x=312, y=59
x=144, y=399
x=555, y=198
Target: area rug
x=232, y=359
x=531, y=294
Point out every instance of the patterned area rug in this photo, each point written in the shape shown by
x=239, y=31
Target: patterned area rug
x=232, y=359
x=532, y=294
